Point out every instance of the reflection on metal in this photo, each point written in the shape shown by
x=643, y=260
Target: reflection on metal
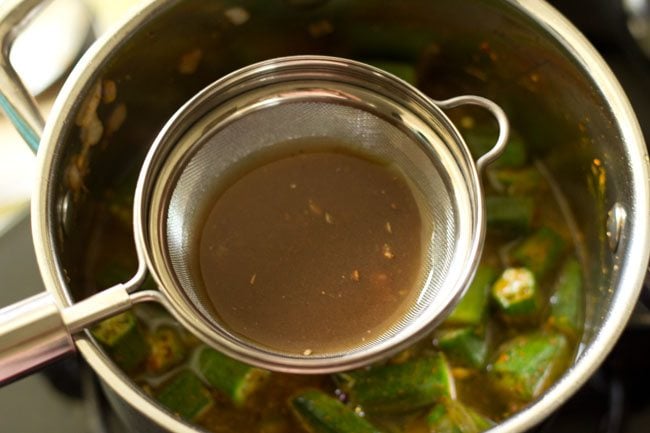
x=615, y=224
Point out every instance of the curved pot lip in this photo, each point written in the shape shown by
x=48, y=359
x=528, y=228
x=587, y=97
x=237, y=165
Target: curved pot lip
x=631, y=274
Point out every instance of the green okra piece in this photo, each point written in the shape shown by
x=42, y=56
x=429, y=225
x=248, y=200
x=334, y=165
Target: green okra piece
x=317, y=412
x=235, y=379
x=526, y=365
x=463, y=346
x=167, y=350
x=566, y=302
x=451, y=416
x=480, y=141
x=186, y=396
x=472, y=307
x=122, y=338
x=405, y=71
x=517, y=181
x=509, y=213
x=540, y=252
x=516, y=294
x=400, y=387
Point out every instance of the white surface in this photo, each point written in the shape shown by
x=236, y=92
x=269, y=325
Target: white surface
x=42, y=53
x=17, y=171
x=51, y=43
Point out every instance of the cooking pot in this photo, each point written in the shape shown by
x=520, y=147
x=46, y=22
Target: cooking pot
x=522, y=54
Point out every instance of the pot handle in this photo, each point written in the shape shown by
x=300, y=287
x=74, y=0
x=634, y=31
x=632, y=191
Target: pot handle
x=499, y=115
x=16, y=101
x=36, y=331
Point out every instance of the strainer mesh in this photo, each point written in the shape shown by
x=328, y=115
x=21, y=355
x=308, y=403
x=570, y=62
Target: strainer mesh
x=224, y=146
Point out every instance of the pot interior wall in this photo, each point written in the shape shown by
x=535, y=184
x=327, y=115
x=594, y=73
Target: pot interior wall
x=482, y=47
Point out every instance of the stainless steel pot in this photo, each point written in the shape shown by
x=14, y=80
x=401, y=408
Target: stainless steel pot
x=556, y=89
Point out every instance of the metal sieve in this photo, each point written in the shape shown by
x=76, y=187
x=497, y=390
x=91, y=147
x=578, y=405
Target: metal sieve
x=309, y=97
x=259, y=107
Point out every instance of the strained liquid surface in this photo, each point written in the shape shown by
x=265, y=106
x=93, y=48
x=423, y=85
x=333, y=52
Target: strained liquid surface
x=312, y=251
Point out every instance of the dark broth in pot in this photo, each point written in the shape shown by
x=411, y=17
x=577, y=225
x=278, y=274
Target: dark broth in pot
x=312, y=251
x=512, y=335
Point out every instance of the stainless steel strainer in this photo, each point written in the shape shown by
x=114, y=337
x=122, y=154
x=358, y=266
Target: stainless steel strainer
x=262, y=106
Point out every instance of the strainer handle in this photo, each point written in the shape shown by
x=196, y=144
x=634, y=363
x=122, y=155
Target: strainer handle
x=499, y=115
x=16, y=101
x=37, y=331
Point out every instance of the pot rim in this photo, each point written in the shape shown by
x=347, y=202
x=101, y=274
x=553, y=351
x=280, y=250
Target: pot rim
x=631, y=274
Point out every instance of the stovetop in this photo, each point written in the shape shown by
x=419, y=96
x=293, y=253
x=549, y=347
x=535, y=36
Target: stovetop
x=64, y=398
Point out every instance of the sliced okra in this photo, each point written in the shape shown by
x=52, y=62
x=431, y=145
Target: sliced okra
x=566, y=302
x=400, y=387
x=317, y=412
x=516, y=294
x=234, y=379
x=451, y=416
x=186, y=396
x=472, y=307
x=464, y=346
x=524, y=366
x=540, y=252
x=122, y=338
x=512, y=214
x=167, y=350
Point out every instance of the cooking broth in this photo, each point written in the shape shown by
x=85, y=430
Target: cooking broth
x=227, y=396
x=497, y=351
x=312, y=251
